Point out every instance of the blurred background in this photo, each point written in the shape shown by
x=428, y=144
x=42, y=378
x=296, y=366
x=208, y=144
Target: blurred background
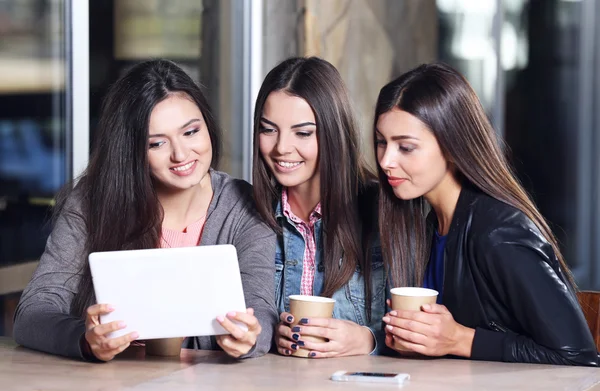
x=533, y=64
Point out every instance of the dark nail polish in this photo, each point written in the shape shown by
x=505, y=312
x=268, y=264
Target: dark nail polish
x=295, y=337
x=287, y=351
x=296, y=329
x=301, y=343
x=290, y=318
x=303, y=321
x=294, y=346
x=313, y=354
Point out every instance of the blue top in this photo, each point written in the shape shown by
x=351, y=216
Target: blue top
x=434, y=274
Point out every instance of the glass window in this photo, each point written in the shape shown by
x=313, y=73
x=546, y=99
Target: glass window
x=188, y=32
x=32, y=136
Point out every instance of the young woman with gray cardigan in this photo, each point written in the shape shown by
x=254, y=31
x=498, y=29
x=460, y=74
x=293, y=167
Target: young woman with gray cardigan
x=150, y=183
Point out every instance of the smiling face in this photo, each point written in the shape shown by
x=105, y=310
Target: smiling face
x=179, y=149
x=409, y=154
x=288, y=140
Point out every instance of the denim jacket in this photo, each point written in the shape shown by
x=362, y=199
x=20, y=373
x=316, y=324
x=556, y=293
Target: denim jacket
x=350, y=299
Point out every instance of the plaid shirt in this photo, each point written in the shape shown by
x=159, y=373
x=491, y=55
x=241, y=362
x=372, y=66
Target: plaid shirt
x=308, y=233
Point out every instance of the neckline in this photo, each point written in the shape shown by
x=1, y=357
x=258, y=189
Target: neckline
x=314, y=215
x=187, y=229
x=440, y=237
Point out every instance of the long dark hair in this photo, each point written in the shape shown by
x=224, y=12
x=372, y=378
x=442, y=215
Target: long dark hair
x=119, y=205
x=441, y=98
x=340, y=165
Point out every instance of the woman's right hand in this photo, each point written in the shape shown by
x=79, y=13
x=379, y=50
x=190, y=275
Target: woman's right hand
x=283, y=335
x=102, y=347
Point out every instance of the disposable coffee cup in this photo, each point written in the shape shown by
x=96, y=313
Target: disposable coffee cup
x=302, y=306
x=411, y=299
x=164, y=347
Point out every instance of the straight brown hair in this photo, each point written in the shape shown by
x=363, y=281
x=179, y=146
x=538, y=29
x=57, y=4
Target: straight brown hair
x=340, y=166
x=441, y=98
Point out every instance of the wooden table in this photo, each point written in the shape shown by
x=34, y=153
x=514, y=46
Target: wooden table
x=23, y=369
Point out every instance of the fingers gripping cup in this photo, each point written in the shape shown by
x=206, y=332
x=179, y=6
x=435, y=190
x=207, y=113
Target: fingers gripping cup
x=411, y=299
x=309, y=307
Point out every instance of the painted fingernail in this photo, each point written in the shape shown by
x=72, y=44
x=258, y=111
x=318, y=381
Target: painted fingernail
x=294, y=346
x=110, y=308
x=296, y=329
x=388, y=327
x=135, y=336
x=290, y=318
x=295, y=337
x=122, y=325
x=301, y=343
x=220, y=318
x=386, y=319
x=313, y=354
x=287, y=351
x=232, y=313
x=304, y=321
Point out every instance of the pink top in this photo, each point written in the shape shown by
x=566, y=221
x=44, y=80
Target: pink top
x=188, y=238
x=308, y=233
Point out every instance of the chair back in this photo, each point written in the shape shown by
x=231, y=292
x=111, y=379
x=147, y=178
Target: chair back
x=590, y=304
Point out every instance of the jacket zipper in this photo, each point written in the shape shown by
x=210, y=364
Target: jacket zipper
x=496, y=327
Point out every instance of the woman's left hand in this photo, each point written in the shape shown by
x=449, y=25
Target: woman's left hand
x=239, y=342
x=431, y=332
x=344, y=338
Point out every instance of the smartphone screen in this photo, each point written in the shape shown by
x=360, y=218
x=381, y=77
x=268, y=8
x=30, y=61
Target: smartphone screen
x=371, y=374
x=376, y=377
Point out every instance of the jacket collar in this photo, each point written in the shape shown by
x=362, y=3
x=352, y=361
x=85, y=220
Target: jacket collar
x=279, y=209
x=468, y=196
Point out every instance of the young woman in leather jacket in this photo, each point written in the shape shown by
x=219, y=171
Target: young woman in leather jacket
x=505, y=291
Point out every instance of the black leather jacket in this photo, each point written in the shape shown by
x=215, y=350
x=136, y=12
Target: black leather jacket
x=502, y=278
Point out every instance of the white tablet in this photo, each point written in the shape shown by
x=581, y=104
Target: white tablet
x=173, y=292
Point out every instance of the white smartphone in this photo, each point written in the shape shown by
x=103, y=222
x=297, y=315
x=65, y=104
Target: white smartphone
x=373, y=377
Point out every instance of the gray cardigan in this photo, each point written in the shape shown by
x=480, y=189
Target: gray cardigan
x=43, y=320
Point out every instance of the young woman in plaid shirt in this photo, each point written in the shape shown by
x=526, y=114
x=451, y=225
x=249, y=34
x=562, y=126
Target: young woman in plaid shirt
x=311, y=187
